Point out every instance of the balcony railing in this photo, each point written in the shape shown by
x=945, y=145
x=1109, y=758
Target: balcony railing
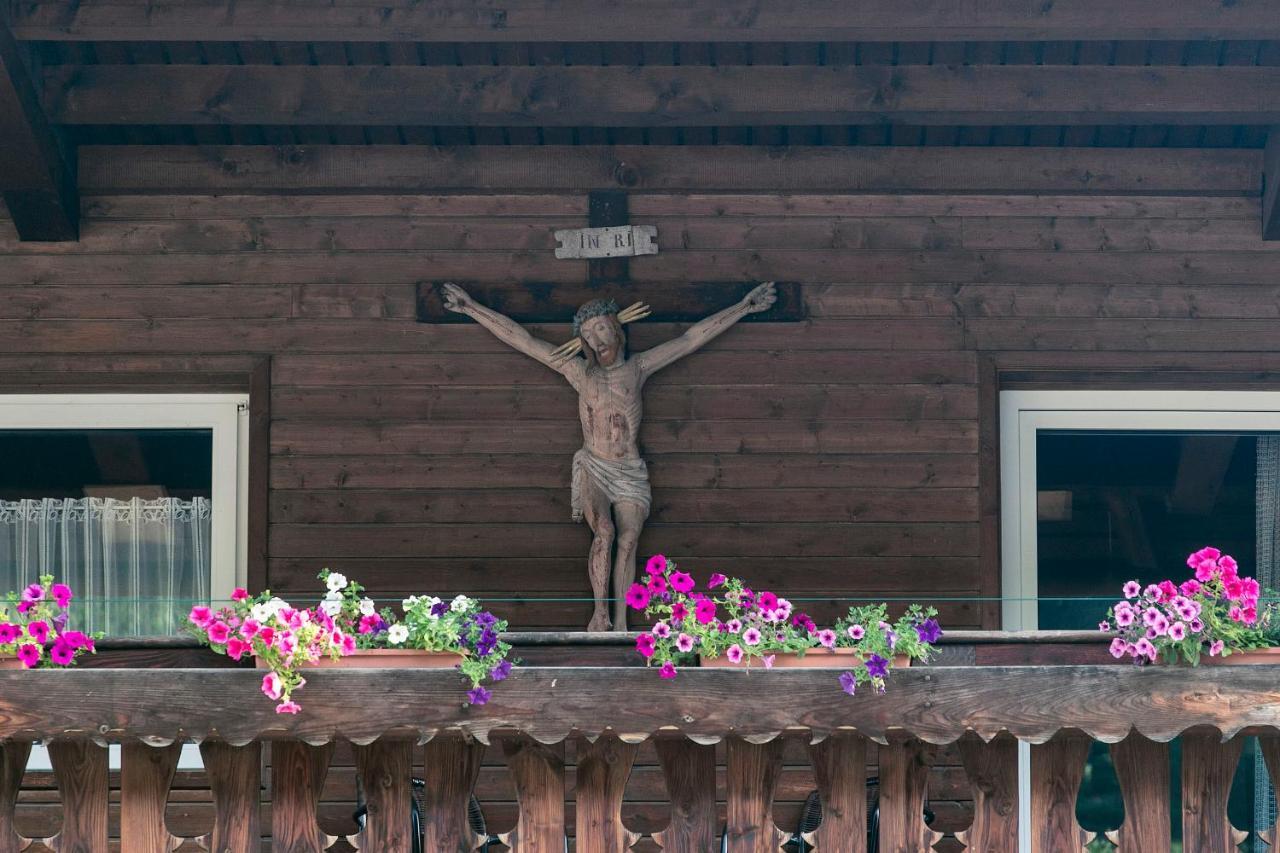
x=396, y=720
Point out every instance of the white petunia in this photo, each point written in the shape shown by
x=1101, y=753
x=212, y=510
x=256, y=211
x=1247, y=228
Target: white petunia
x=397, y=634
x=409, y=602
x=261, y=612
x=331, y=607
x=367, y=607
x=336, y=581
x=460, y=604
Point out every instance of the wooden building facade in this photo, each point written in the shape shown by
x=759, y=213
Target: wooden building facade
x=262, y=197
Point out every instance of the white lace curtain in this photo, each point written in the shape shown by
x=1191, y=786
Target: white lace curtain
x=135, y=566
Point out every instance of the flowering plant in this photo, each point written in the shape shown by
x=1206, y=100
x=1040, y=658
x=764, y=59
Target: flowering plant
x=458, y=626
x=33, y=626
x=878, y=642
x=1216, y=610
x=283, y=637
x=736, y=622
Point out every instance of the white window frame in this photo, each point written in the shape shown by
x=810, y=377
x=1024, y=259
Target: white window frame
x=1022, y=415
x=226, y=415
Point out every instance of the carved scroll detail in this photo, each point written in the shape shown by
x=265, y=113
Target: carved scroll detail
x=993, y=775
x=13, y=763
x=538, y=772
x=840, y=768
x=297, y=777
x=690, y=772
x=386, y=769
x=1208, y=765
x=80, y=768
x=1057, y=768
x=146, y=774
x=603, y=770
x=904, y=775
x=452, y=767
x=752, y=778
x=235, y=781
x=1142, y=766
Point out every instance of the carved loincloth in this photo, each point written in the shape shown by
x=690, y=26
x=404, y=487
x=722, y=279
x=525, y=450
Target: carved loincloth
x=626, y=480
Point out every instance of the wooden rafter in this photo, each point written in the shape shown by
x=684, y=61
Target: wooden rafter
x=648, y=20
x=654, y=95
x=37, y=181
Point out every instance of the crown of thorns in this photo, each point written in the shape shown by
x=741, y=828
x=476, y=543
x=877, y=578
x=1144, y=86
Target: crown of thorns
x=598, y=308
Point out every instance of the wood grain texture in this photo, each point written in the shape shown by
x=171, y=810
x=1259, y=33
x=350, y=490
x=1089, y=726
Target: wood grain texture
x=537, y=770
x=146, y=774
x=13, y=763
x=385, y=768
x=1269, y=745
x=1271, y=192
x=904, y=775
x=603, y=768
x=297, y=776
x=840, y=771
x=1057, y=767
x=80, y=768
x=992, y=769
x=1208, y=765
x=452, y=767
x=689, y=770
x=751, y=778
x=1142, y=767
x=235, y=784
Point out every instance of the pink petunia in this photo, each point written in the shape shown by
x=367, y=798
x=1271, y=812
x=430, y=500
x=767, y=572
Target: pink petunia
x=61, y=653
x=239, y=594
x=767, y=601
x=856, y=632
x=657, y=565
x=236, y=648
x=1196, y=626
x=668, y=670
x=645, y=645
x=705, y=611
x=734, y=653
x=685, y=643
x=271, y=686
x=751, y=637
x=827, y=637
x=9, y=633
x=290, y=707
x=679, y=612
x=734, y=625
x=661, y=630
x=38, y=631
x=35, y=592
x=1124, y=617
x=1236, y=614
x=250, y=629
x=1177, y=632
x=1189, y=587
x=25, y=606
x=348, y=644
x=637, y=597
x=200, y=616
x=267, y=635
x=1216, y=647
x=1167, y=590
x=29, y=655
x=1132, y=589
x=1118, y=647
x=681, y=582
x=219, y=633
x=61, y=595
x=657, y=585
x=716, y=580
x=1145, y=649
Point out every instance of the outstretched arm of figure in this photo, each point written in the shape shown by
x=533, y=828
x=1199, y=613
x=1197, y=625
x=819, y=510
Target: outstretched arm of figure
x=761, y=298
x=504, y=328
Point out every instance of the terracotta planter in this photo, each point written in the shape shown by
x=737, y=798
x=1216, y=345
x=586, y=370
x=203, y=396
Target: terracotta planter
x=812, y=659
x=10, y=662
x=385, y=659
x=1249, y=658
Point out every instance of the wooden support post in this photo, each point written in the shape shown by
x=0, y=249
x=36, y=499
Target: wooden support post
x=146, y=774
x=38, y=182
x=1271, y=186
x=385, y=768
x=297, y=777
x=1270, y=746
x=603, y=769
x=904, y=776
x=538, y=773
x=235, y=782
x=1208, y=766
x=13, y=764
x=1056, y=770
x=1142, y=766
x=993, y=775
x=840, y=769
x=751, y=777
x=690, y=772
x=80, y=769
x=452, y=767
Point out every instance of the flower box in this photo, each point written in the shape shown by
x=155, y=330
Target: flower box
x=837, y=658
x=383, y=659
x=1245, y=658
x=10, y=662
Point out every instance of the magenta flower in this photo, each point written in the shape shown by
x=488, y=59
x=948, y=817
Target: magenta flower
x=661, y=630
x=1235, y=614
x=679, y=612
x=848, y=683
x=271, y=686
x=1104, y=626
x=734, y=625
x=25, y=606
x=1145, y=649
x=767, y=601
x=290, y=707
x=684, y=643
x=705, y=611
x=35, y=592
x=61, y=653
x=219, y=633
x=1205, y=570
x=1124, y=616
x=1132, y=589
x=1216, y=647
x=348, y=644
x=478, y=696
x=237, y=648
x=29, y=655
x=827, y=637
x=657, y=585
x=38, y=631
x=668, y=670
x=1118, y=647
x=61, y=595
x=239, y=594
x=856, y=632
x=734, y=653
x=1189, y=587
x=657, y=565
x=751, y=637
x=200, y=616
x=681, y=582
x=1196, y=626
x=645, y=645
x=1177, y=632
x=637, y=597
x=9, y=633
x=716, y=580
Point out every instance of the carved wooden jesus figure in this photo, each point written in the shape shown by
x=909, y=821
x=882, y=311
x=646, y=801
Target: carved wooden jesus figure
x=610, y=480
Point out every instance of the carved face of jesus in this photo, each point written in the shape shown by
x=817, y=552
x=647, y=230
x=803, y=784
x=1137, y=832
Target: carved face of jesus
x=605, y=338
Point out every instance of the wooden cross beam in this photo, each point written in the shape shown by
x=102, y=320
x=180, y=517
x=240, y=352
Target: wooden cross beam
x=37, y=180
x=1271, y=187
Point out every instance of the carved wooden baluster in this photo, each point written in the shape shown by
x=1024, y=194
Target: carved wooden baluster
x=386, y=771
x=840, y=769
x=1056, y=770
x=1142, y=766
x=235, y=782
x=904, y=775
x=993, y=776
x=146, y=774
x=1208, y=766
x=538, y=773
x=690, y=772
x=297, y=777
x=603, y=770
x=1270, y=746
x=13, y=764
x=751, y=776
x=452, y=767
x=80, y=769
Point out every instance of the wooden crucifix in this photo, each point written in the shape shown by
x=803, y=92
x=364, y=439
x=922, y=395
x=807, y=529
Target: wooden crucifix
x=610, y=479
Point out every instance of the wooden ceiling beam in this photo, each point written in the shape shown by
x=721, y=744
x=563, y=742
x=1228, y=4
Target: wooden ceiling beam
x=644, y=20
x=1271, y=186
x=36, y=180
x=652, y=96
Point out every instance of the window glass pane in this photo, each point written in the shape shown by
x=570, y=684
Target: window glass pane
x=123, y=516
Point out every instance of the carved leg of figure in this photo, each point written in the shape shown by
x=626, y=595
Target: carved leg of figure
x=595, y=507
x=630, y=517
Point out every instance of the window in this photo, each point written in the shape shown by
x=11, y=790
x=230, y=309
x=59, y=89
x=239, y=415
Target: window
x=134, y=500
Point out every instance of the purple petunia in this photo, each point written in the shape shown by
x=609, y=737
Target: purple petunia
x=929, y=631
x=848, y=682
x=501, y=671
x=478, y=696
x=877, y=667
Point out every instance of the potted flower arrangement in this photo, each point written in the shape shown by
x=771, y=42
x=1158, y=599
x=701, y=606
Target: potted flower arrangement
x=432, y=633
x=33, y=628
x=279, y=637
x=1211, y=616
x=878, y=645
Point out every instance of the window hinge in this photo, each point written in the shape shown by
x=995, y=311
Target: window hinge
x=242, y=407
